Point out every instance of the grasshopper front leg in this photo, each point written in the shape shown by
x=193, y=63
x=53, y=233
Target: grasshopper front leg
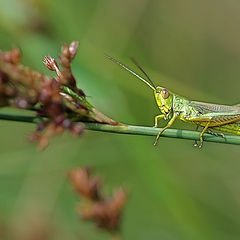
x=158, y=117
x=167, y=126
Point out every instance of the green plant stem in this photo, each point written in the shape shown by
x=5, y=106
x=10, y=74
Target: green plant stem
x=135, y=130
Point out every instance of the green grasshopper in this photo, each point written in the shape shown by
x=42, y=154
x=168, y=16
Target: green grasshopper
x=207, y=115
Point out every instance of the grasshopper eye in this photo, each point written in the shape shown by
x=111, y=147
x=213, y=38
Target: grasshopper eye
x=165, y=93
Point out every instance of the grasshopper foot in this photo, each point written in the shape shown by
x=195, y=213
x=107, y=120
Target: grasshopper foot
x=201, y=142
x=195, y=144
x=215, y=133
x=156, y=140
x=198, y=145
x=221, y=135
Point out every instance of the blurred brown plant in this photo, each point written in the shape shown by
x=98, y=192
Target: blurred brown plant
x=105, y=211
x=57, y=101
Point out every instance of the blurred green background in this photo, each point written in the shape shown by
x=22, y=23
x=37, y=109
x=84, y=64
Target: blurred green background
x=177, y=191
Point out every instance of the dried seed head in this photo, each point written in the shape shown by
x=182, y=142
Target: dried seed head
x=16, y=56
x=67, y=123
x=53, y=110
x=77, y=129
x=44, y=95
x=13, y=57
x=73, y=49
x=43, y=142
x=105, y=211
x=21, y=102
x=3, y=77
x=41, y=126
x=59, y=119
x=65, y=50
x=50, y=63
x=85, y=184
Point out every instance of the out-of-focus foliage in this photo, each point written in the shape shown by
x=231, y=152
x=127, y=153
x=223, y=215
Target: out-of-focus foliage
x=177, y=191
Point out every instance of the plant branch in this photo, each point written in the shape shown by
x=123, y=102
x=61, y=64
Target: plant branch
x=135, y=130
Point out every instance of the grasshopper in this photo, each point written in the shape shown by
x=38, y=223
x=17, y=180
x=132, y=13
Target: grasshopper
x=172, y=106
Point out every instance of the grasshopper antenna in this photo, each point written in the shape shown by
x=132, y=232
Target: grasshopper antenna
x=141, y=69
x=150, y=84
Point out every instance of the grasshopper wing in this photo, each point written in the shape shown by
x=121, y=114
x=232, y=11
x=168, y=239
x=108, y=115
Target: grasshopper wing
x=217, y=108
x=214, y=114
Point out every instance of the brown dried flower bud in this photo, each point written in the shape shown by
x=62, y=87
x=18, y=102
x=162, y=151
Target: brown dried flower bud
x=85, y=184
x=21, y=102
x=106, y=213
x=53, y=110
x=65, y=50
x=67, y=123
x=50, y=63
x=103, y=210
x=16, y=56
x=41, y=126
x=73, y=49
x=13, y=57
x=77, y=129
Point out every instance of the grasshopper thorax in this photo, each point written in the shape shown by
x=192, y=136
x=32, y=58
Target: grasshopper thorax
x=164, y=99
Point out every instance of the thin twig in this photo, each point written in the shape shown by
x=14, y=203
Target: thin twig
x=135, y=130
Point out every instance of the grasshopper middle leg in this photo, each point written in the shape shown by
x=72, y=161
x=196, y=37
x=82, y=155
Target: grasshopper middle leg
x=195, y=141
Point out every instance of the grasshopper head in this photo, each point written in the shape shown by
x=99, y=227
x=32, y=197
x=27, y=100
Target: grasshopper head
x=164, y=99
